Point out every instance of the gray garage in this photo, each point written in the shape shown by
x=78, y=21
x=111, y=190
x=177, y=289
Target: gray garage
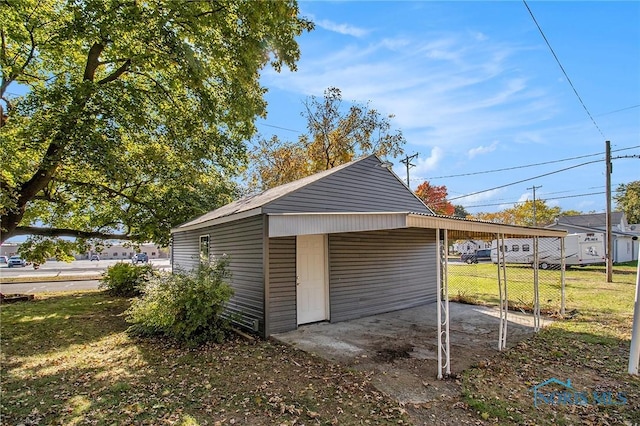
x=345, y=243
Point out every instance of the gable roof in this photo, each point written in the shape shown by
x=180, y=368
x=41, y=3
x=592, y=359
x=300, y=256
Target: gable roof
x=596, y=220
x=253, y=203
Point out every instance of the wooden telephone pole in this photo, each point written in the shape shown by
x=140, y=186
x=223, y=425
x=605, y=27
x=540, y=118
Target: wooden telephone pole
x=407, y=162
x=609, y=253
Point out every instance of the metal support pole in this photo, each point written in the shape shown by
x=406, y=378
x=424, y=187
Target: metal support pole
x=536, y=292
x=502, y=289
x=444, y=358
x=563, y=269
x=634, y=353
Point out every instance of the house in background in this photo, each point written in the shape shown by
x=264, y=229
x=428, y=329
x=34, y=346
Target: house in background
x=470, y=246
x=624, y=238
x=345, y=243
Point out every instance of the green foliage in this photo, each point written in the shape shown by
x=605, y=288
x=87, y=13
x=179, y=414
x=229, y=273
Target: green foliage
x=628, y=200
x=186, y=306
x=125, y=279
x=135, y=113
x=38, y=250
x=523, y=214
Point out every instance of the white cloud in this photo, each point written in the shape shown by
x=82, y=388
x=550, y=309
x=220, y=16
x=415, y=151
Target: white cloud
x=454, y=90
x=342, y=28
x=423, y=166
x=482, y=149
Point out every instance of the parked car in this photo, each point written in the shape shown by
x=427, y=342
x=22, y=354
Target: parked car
x=95, y=257
x=140, y=258
x=4, y=260
x=17, y=261
x=479, y=255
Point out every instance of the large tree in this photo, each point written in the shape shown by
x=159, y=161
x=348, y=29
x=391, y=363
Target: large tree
x=133, y=114
x=628, y=200
x=336, y=134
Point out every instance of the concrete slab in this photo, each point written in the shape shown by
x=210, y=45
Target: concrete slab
x=401, y=346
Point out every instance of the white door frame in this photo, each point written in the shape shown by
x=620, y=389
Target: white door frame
x=325, y=272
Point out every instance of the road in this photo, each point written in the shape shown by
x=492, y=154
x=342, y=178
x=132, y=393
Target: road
x=75, y=270
x=48, y=286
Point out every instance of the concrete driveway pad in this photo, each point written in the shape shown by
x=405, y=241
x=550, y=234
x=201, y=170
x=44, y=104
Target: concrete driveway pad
x=401, y=346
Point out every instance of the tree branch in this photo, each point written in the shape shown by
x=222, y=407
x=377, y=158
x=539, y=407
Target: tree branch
x=93, y=61
x=61, y=232
x=117, y=73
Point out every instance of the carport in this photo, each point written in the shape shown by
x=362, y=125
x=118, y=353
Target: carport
x=446, y=229
x=470, y=229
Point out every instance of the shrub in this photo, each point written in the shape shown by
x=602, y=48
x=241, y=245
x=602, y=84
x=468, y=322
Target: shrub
x=185, y=306
x=125, y=279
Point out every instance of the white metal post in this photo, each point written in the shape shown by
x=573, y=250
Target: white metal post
x=445, y=294
x=634, y=353
x=563, y=268
x=502, y=289
x=444, y=359
x=505, y=306
x=439, y=302
x=536, y=288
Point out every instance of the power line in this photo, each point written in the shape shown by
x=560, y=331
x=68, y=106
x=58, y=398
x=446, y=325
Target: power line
x=543, y=199
x=618, y=110
x=525, y=180
x=281, y=128
x=524, y=166
x=562, y=68
x=514, y=167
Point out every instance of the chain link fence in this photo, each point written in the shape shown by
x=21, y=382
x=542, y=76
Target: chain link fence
x=472, y=275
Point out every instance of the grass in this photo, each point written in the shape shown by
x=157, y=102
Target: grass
x=66, y=359
x=590, y=347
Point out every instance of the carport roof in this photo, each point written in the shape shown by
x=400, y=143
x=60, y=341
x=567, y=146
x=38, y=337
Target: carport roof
x=289, y=224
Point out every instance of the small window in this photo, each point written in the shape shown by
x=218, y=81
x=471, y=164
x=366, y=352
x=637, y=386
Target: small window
x=153, y=253
x=124, y=254
x=525, y=247
x=515, y=247
x=204, y=247
x=115, y=254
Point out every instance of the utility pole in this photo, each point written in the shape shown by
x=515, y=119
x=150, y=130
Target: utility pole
x=609, y=254
x=407, y=162
x=535, y=221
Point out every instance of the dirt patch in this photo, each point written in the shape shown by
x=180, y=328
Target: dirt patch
x=392, y=353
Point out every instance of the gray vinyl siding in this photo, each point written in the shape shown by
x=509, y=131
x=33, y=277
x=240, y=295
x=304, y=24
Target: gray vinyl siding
x=241, y=242
x=363, y=187
x=381, y=271
x=185, y=250
x=282, y=285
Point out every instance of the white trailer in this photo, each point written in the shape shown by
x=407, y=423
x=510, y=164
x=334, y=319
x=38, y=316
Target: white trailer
x=579, y=250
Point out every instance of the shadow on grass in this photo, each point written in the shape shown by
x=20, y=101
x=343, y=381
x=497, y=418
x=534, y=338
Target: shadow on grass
x=67, y=360
x=58, y=321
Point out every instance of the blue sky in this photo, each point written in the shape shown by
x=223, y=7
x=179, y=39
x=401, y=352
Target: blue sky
x=474, y=87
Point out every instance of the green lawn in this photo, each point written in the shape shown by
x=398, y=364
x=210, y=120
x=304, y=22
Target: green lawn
x=590, y=346
x=66, y=359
